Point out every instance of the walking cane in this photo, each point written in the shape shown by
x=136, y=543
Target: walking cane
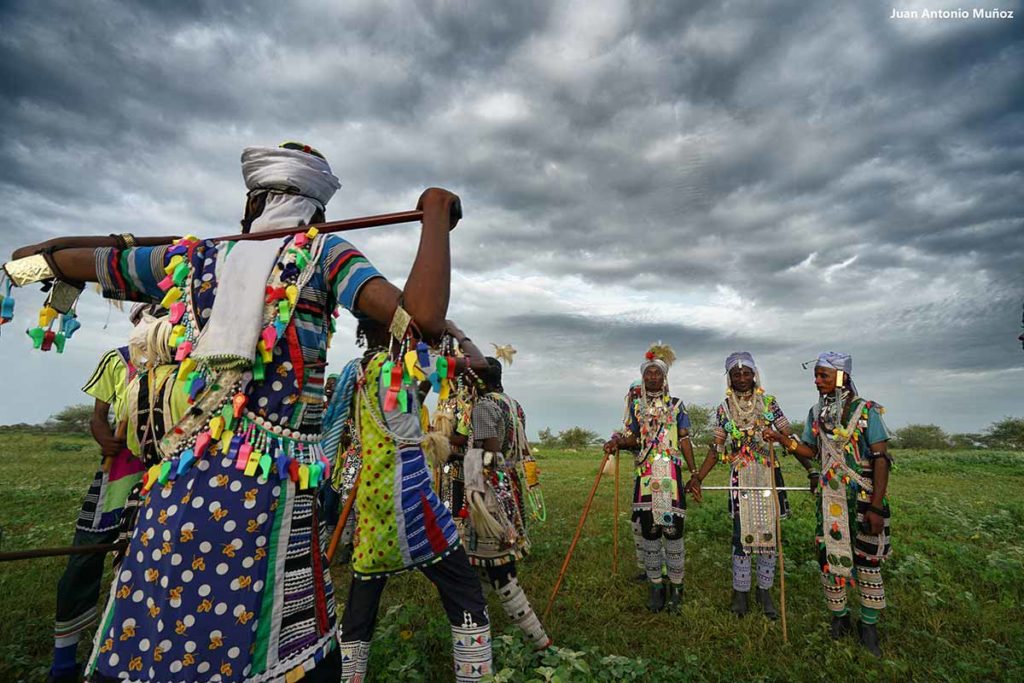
x=615, y=527
x=576, y=538
x=345, y=512
x=778, y=542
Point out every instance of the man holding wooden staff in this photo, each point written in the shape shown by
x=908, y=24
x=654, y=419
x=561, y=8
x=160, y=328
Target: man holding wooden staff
x=226, y=575
x=846, y=436
x=658, y=427
x=740, y=421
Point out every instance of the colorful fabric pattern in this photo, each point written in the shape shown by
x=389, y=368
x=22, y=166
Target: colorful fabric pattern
x=402, y=523
x=656, y=425
x=225, y=574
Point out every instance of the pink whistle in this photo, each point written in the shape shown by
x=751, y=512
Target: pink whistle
x=183, y=352
x=390, y=400
x=177, y=312
x=202, y=443
x=300, y=240
x=243, y=456
x=166, y=283
x=269, y=336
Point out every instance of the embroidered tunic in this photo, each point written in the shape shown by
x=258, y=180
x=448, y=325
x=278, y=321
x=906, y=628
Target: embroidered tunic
x=659, y=486
x=844, y=453
x=225, y=575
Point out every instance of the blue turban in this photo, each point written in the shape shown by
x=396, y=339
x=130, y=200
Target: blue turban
x=838, y=361
x=741, y=358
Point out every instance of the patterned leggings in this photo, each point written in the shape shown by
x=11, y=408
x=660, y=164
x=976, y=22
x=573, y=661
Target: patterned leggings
x=674, y=554
x=741, y=564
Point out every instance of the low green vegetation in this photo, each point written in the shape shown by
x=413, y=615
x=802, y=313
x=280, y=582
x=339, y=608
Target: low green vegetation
x=954, y=584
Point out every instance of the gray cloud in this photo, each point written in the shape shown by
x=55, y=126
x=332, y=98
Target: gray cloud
x=774, y=176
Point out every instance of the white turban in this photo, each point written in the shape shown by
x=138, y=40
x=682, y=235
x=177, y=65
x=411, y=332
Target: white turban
x=299, y=184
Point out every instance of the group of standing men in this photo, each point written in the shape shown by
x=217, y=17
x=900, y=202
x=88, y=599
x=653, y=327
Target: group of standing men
x=843, y=447
x=225, y=574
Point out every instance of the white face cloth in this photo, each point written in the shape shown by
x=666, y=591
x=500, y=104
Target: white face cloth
x=298, y=184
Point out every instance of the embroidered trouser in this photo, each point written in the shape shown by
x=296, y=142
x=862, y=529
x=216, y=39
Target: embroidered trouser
x=869, y=584
x=638, y=545
x=517, y=607
x=654, y=535
x=77, y=593
x=741, y=564
x=463, y=602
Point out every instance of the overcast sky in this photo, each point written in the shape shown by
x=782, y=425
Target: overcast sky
x=778, y=177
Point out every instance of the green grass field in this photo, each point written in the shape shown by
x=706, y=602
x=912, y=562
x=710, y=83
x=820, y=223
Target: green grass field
x=955, y=584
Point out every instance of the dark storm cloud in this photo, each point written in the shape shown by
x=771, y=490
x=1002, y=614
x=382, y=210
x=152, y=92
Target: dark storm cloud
x=841, y=178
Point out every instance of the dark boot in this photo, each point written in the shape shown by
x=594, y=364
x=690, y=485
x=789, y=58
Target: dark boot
x=764, y=598
x=740, y=602
x=840, y=627
x=641, y=577
x=72, y=676
x=674, y=597
x=869, y=638
x=655, y=597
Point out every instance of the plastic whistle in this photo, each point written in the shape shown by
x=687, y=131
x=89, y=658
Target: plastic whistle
x=183, y=351
x=403, y=400
x=202, y=444
x=242, y=461
x=7, y=309
x=274, y=294
x=37, y=336
x=179, y=248
x=292, y=292
x=177, y=312
x=303, y=476
x=186, y=368
x=283, y=311
x=47, y=314
x=165, y=472
x=411, y=366
x=300, y=240
x=172, y=295
x=282, y=466
x=187, y=458
x=442, y=368
x=326, y=464
x=216, y=427
x=259, y=368
x=236, y=445
x=293, y=470
x=452, y=365
x=266, y=353
x=172, y=473
x=151, y=476
x=58, y=342
x=225, y=441
x=197, y=385
x=265, y=462
x=48, y=338
x=175, y=261
x=166, y=283
x=69, y=325
x=444, y=391
x=312, y=233
x=180, y=273
x=239, y=402
x=253, y=463
x=423, y=354
x=435, y=382
x=314, y=475
x=301, y=258
x=228, y=413
x=269, y=336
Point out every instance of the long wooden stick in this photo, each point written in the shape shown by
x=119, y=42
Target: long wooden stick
x=778, y=542
x=615, y=527
x=576, y=538
x=330, y=226
x=13, y=555
x=345, y=512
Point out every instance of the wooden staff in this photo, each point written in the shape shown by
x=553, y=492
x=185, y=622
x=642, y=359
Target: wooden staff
x=615, y=528
x=340, y=226
x=345, y=512
x=778, y=542
x=576, y=538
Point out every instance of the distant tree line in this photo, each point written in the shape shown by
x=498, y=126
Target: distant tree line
x=70, y=420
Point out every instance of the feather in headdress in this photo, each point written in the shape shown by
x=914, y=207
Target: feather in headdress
x=504, y=352
x=662, y=352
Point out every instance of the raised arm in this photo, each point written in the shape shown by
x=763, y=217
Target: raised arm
x=75, y=257
x=428, y=287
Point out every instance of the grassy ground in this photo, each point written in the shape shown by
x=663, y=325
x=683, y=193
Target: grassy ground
x=954, y=584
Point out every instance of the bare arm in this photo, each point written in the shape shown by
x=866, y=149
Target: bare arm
x=474, y=358
x=428, y=287
x=109, y=444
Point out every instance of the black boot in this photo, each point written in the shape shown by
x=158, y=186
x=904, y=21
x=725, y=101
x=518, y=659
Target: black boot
x=674, y=597
x=740, y=605
x=764, y=598
x=840, y=627
x=869, y=638
x=655, y=597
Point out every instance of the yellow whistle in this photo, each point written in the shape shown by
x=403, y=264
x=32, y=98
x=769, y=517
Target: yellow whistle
x=445, y=388
x=47, y=315
x=292, y=292
x=265, y=353
x=216, y=427
x=151, y=476
x=175, y=261
x=253, y=463
x=186, y=366
x=172, y=295
x=303, y=476
x=312, y=233
x=225, y=441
